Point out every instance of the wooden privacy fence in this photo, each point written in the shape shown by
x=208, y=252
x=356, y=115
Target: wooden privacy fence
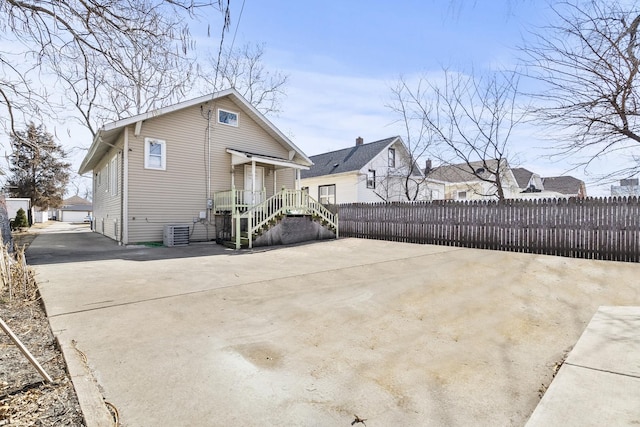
x=598, y=228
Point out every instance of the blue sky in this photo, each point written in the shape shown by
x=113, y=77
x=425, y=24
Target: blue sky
x=383, y=39
x=343, y=56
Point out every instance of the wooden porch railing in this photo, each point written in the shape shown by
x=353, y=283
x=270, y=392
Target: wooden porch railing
x=241, y=200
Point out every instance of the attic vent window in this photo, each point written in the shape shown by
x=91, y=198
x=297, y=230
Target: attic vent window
x=227, y=117
x=480, y=171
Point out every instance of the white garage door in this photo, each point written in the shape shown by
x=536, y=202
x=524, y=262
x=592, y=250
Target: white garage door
x=73, y=216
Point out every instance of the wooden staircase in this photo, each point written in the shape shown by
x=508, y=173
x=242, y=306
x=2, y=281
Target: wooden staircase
x=254, y=222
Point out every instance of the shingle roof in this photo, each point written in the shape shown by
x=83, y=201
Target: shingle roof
x=562, y=184
x=75, y=200
x=522, y=176
x=462, y=172
x=345, y=160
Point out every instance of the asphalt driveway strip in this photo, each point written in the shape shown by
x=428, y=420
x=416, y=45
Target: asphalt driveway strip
x=395, y=333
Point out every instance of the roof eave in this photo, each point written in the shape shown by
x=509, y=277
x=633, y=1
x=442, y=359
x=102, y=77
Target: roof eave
x=89, y=162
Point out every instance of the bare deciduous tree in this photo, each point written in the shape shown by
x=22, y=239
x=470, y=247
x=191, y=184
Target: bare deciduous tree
x=243, y=69
x=418, y=139
x=89, y=42
x=472, y=119
x=588, y=60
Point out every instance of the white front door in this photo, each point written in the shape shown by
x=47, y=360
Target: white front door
x=252, y=198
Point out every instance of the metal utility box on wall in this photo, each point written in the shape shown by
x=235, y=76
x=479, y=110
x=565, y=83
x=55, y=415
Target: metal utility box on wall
x=176, y=235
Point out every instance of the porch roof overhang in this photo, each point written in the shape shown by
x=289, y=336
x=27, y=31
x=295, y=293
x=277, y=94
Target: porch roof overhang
x=242, y=157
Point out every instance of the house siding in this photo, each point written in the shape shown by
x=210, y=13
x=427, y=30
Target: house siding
x=351, y=187
x=107, y=204
x=388, y=186
x=346, y=186
x=178, y=194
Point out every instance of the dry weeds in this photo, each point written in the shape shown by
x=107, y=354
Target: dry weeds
x=25, y=398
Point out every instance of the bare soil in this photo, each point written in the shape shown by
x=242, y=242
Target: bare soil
x=25, y=398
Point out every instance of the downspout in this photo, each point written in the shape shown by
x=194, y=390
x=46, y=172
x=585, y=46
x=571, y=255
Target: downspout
x=209, y=208
x=124, y=199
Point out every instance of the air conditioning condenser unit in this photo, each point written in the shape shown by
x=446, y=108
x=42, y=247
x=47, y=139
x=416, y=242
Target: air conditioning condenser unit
x=176, y=235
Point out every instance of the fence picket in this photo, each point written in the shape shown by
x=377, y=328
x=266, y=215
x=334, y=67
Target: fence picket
x=595, y=228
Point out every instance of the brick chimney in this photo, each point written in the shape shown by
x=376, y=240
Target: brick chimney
x=359, y=140
x=427, y=166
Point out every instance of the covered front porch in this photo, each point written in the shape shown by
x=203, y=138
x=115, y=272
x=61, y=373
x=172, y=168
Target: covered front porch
x=262, y=199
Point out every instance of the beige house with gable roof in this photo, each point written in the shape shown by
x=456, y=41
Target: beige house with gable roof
x=213, y=164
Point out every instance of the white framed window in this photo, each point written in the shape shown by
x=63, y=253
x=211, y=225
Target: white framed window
x=113, y=176
x=462, y=195
x=392, y=157
x=155, y=154
x=371, y=178
x=227, y=117
x=327, y=194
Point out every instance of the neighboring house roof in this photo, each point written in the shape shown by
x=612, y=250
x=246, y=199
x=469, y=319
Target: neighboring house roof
x=462, y=172
x=349, y=159
x=76, y=204
x=108, y=134
x=75, y=200
x=522, y=176
x=567, y=185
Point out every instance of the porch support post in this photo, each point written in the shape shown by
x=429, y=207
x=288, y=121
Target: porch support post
x=253, y=178
x=237, y=224
x=275, y=181
x=297, y=179
x=233, y=176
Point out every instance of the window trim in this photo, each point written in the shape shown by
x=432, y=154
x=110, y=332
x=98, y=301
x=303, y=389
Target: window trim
x=392, y=157
x=371, y=179
x=237, y=121
x=320, y=187
x=147, y=154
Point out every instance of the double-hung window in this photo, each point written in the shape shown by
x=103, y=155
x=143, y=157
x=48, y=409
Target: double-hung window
x=155, y=154
x=113, y=176
x=371, y=178
x=327, y=194
x=392, y=157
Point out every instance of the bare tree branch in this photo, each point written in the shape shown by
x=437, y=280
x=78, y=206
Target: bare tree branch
x=94, y=46
x=587, y=61
x=243, y=69
x=471, y=119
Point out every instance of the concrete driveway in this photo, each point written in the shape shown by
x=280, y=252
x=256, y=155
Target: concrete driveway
x=397, y=334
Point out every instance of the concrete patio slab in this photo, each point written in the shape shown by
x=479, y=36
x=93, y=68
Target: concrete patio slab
x=599, y=383
x=398, y=334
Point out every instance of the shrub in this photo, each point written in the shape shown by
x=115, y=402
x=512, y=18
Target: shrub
x=20, y=220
